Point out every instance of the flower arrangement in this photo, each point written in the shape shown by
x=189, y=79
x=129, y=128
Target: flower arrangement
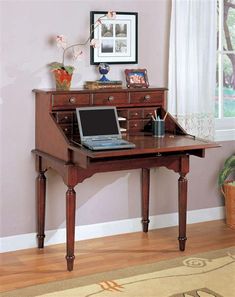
x=63, y=74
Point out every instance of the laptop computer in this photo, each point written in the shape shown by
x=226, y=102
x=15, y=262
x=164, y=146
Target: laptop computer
x=99, y=128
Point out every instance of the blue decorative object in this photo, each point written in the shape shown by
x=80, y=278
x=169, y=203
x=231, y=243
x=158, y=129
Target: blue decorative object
x=103, y=69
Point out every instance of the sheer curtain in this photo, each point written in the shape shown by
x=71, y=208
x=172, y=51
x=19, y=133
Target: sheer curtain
x=192, y=65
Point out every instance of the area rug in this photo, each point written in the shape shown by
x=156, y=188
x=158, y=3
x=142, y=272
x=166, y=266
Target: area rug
x=202, y=275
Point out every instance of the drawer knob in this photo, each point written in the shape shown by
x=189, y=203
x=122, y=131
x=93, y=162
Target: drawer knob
x=65, y=117
x=72, y=100
x=147, y=97
x=110, y=98
x=134, y=125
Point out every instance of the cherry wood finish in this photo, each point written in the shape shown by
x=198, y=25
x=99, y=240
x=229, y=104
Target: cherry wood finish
x=182, y=204
x=41, y=204
x=70, y=226
x=145, y=198
x=57, y=147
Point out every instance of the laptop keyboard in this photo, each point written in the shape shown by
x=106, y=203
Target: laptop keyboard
x=107, y=143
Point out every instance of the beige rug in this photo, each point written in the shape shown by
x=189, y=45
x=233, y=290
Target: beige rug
x=204, y=275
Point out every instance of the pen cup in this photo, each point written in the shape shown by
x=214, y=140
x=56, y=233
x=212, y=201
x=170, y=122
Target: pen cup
x=159, y=128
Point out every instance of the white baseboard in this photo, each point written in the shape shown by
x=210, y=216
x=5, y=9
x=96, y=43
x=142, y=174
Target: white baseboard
x=25, y=241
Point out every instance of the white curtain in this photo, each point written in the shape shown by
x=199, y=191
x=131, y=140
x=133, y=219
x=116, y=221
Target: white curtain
x=192, y=65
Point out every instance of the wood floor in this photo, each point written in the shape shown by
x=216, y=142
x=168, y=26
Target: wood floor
x=32, y=266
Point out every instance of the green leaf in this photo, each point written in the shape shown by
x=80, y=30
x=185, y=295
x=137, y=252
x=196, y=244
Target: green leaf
x=230, y=162
x=69, y=69
x=226, y=171
x=56, y=65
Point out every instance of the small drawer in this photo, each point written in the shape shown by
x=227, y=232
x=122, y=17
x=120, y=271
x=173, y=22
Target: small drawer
x=135, y=113
x=110, y=98
x=70, y=100
x=67, y=129
x=147, y=97
x=149, y=112
x=64, y=117
x=135, y=125
x=123, y=113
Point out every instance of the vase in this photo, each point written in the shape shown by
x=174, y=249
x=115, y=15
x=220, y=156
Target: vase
x=62, y=79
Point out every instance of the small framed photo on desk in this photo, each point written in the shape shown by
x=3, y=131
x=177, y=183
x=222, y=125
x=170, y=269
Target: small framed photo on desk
x=136, y=78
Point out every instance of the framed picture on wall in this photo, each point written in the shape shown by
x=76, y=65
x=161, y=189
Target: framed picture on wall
x=136, y=78
x=118, y=38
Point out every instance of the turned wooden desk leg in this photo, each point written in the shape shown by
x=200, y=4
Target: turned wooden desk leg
x=41, y=205
x=145, y=198
x=182, y=205
x=70, y=226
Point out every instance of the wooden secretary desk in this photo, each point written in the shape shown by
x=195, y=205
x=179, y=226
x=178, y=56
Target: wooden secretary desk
x=57, y=147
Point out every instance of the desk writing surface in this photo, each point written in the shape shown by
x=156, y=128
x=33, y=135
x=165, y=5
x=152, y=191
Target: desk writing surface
x=147, y=144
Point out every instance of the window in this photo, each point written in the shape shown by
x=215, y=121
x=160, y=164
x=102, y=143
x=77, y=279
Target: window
x=225, y=78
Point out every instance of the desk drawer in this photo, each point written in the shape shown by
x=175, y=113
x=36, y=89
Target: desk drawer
x=70, y=100
x=132, y=113
x=67, y=129
x=139, y=125
x=110, y=98
x=64, y=117
x=149, y=112
x=123, y=113
x=135, y=113
x=148, y=97
x=135, y=125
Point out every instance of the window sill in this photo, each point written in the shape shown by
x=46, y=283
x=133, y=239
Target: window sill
x=225, y=135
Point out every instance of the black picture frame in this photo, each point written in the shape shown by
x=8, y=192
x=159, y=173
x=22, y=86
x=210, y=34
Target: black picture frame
x=114, y=49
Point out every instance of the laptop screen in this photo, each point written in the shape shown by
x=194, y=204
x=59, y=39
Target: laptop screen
x=97, y=121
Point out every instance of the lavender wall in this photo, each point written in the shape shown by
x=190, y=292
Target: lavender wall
x=26, y=30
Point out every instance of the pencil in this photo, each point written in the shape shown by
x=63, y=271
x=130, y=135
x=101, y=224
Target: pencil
x=153, y=118
x=165, y=116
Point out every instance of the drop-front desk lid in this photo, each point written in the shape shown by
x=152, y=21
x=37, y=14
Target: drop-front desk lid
x=147, y=145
